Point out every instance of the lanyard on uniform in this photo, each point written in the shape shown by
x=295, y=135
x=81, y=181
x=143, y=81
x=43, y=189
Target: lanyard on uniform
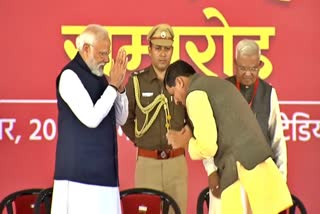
x=255, y=88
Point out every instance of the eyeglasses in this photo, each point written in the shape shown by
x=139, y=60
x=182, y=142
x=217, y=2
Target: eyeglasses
x=102, y=54
x=251, y=69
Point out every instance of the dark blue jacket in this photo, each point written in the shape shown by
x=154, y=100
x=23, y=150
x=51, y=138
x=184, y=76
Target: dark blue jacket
x=86, y=155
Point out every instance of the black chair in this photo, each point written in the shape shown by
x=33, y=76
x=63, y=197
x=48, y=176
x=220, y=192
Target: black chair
x=298, y=206
x=153, y=201
x=203, y=197
x=43, y=201
x=21, y=201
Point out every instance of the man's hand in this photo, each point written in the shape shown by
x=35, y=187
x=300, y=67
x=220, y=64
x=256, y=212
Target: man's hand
x=118, y=69
x=179, y=139
x=121, y=88
x=213, y=180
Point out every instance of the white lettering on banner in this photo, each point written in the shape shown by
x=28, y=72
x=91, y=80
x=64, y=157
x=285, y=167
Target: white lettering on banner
x=47, y=125
x=7, y=131
x=45, y=130
x=301, y=129
x=301, y=126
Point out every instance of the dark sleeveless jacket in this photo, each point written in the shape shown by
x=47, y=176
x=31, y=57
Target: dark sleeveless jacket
x=239, y=136
x=86, y=155
x=261, y=105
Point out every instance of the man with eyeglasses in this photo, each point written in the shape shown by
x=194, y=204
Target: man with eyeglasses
x=152, y=112
x=90, y=106
x=262, y=99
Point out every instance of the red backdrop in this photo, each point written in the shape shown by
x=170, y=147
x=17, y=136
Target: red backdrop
x=37, y=40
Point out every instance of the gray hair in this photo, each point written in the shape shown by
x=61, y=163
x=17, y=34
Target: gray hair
x=90, y=35
x=247, y=47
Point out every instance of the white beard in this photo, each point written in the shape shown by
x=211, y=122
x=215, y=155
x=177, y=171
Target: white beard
x=97, y=72
x=95, y=69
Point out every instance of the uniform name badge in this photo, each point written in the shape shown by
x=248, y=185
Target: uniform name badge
x=147, y=94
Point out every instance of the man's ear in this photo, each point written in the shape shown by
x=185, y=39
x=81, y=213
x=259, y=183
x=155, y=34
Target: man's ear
x=235, y=66
x=179, y=82
x=261, y=64
x=234, y=62
x=86, y=48
x=149, y=49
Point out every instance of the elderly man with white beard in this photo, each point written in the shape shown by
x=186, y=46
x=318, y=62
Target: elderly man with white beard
x=90, y=106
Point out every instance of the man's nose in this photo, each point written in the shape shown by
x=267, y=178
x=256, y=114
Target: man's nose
x=247, y=73
x=106, y=59
x=163, y=52
x=176, y=101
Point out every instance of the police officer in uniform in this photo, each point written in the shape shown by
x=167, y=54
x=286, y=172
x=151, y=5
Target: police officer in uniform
x=152, y=112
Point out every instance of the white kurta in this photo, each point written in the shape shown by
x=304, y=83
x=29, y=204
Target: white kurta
x=76, y=198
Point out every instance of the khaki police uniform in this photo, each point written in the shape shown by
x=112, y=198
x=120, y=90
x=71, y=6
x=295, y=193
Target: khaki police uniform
x=158, y=166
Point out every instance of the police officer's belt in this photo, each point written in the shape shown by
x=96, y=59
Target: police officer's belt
x=160, y=154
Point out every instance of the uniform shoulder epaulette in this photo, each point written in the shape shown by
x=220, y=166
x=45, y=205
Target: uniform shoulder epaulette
x=135, y=73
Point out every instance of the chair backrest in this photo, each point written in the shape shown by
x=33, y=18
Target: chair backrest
x=298, y=206
x=43, y=202
x=203, y=198
x=153, y=201
x=22, y=202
